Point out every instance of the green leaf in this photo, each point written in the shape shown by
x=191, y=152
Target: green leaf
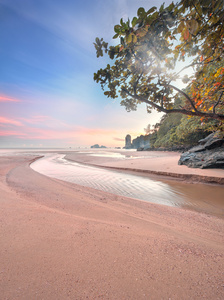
x=149, y=20
x=151, y=10
x=97, y=41
x=134, y=21
x=171, y=7
x=95, y=76
x=129, y=38
x=141, y=12
x=155, y=15
x=111, y=54
x=161, y=8
x=117, y=28
x=135, y=38
x=116, y=36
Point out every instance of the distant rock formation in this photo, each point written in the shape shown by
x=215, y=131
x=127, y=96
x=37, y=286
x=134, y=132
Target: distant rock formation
x=98, y=146
x=208, y=154
x=128, y=144
x=139, y=143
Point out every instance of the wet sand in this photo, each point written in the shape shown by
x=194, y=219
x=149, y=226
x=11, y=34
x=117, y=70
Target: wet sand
x=64, y=241
x=162, y=163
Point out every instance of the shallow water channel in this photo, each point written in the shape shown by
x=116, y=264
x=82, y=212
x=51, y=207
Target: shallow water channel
x=200, y=197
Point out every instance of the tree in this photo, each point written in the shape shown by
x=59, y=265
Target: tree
x=144, y=61
x=180, y=131
x=148, y=129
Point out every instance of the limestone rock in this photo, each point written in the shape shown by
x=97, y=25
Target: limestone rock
x=128, y=144
x=209, y=154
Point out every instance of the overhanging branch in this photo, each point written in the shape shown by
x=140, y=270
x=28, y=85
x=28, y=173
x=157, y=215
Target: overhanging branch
x=183, y=111
x=182, y=93
x=216, y=104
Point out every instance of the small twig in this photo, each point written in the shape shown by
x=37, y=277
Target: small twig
x=214, y=107
x=183, y=93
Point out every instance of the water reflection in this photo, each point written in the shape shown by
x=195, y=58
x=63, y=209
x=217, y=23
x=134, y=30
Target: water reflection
x=197, y=197
x=113, y=155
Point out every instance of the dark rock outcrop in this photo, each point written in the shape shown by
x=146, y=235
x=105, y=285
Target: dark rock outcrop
x=98, y=146
x=141, y=143
x=208, y=154
x=128, y=144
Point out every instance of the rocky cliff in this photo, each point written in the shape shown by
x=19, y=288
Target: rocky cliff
x=139, y=143
x=208, y=154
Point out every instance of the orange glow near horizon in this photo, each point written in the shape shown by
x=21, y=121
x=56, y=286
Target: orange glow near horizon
x=61, y=133
x=85, y=136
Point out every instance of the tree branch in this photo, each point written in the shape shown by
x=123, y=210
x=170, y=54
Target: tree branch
x=136, y=83
x=182, y=93
x=196, y=113
x=205, y=61
x=214, y=107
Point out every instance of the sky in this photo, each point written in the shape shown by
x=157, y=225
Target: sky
x=48, y=98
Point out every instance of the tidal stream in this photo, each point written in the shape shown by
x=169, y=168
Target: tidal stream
x=199, y=197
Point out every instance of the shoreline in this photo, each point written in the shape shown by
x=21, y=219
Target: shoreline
x=64, y=241
x=162, y=163
x=188, y=178
x=191, y=196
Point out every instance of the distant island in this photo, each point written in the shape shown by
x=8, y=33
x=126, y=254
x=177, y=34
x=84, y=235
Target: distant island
x=98, y=146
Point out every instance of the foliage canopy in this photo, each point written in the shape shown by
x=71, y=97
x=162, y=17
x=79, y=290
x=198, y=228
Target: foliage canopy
x=176, y=131
x=144, y=61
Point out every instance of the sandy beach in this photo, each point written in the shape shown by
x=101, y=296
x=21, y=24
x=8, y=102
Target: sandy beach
x=162, y=163
x=63, y=241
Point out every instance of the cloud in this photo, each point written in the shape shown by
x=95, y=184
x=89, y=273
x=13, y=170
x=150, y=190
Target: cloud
x=45, y=121
x=38, y=133
x=11, y=133
x=8, y=99
x=118, y=139
x=36, y=119
x=53, y=134
x=7, y=121
x=76, y=136
x=95, y=131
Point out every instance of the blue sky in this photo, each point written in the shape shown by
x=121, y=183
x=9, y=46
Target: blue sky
x=47, y=94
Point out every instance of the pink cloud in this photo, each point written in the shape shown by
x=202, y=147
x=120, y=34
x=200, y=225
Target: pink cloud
x=36, y=119
x=48, y=134
x=118, y=139
x=75, y=136
x=95, y=131
x=7, y=121
x=47, y=121
x=10, y=133
x=8, y=99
